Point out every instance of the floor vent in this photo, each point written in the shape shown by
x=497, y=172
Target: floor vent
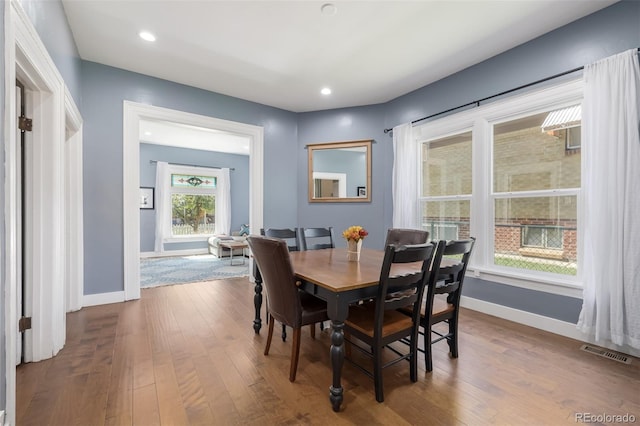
x=616, y=356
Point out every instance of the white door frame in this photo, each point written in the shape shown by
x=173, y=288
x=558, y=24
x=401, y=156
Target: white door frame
x=27, y=59
x=74, y=223
x=133, y=113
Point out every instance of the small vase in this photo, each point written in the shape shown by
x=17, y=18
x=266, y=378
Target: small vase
x=353, y=250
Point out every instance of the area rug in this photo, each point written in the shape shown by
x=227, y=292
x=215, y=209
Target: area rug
x=158, y=271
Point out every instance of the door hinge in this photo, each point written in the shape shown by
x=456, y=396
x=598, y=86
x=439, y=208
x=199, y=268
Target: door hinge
x=24, y=324
x=25, y=124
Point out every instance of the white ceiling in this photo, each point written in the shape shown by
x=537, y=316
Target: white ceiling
x=281, y=53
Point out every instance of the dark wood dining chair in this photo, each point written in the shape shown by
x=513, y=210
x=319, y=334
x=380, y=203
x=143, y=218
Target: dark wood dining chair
x=379, y=323
x=442, y=300
x=316, y=238
x=292, y=238
x=404, y=236
x=286, y=303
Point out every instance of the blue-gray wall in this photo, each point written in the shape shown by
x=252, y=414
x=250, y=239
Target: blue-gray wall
x=50, y=22
x=239, y=187
x=104, y=89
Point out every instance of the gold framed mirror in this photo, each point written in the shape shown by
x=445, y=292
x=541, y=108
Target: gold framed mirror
x=340, y=172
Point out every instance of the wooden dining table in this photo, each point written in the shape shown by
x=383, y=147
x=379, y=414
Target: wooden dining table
x=328, y=275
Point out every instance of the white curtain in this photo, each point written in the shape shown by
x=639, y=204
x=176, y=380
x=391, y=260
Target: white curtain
x=223, y=203
x=611, y=171
x=405, y=178
x=163, y=203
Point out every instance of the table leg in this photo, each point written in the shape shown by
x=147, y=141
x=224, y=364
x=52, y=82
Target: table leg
x=337, y=360
x=257, y=302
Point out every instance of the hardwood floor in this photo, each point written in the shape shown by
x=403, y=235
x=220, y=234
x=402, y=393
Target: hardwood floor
x=188, y=354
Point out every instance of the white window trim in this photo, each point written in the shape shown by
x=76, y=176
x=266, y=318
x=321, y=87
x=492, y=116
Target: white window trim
x=195, y=171
x=480, y=120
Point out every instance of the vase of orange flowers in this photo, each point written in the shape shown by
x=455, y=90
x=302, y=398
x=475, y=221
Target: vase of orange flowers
x=354, y=236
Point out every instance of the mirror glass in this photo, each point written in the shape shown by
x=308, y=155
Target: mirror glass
x=340, y=172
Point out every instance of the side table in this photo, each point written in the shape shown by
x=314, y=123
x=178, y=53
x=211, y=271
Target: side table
x=231, y=245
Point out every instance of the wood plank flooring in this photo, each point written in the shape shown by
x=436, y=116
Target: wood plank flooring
x=188, y=355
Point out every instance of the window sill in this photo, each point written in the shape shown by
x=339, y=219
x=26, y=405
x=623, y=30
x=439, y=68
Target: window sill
x=186, y=239
x=547, y=284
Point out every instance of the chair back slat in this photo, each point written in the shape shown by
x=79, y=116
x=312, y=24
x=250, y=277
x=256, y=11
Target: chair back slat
x=316, y=238
x=449, y=278
x=445, y=287
x=406, y=254
x=400, y=300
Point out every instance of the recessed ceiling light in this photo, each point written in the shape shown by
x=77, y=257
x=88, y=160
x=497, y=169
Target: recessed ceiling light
x=146, y=35
x=325, y=91
x=328, y=9
x=147, y=133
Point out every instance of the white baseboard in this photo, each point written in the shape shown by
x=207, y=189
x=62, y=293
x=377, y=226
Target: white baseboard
x=551, y=325
x=190, y=252
x=102, y=298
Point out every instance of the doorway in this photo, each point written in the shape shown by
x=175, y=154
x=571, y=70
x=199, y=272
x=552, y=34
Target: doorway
x=134, y=113
x=194, y=197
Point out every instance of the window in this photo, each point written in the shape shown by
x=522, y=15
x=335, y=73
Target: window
x=446, y=186
x=193, y=202
x=509, y=173
x=542, y=237
x=573, y=137
x=535, y=187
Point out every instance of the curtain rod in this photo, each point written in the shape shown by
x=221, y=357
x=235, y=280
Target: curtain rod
x=191, y=165
x=477, y=103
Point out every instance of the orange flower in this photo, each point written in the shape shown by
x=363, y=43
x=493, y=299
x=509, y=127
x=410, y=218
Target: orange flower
x=354, y=233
